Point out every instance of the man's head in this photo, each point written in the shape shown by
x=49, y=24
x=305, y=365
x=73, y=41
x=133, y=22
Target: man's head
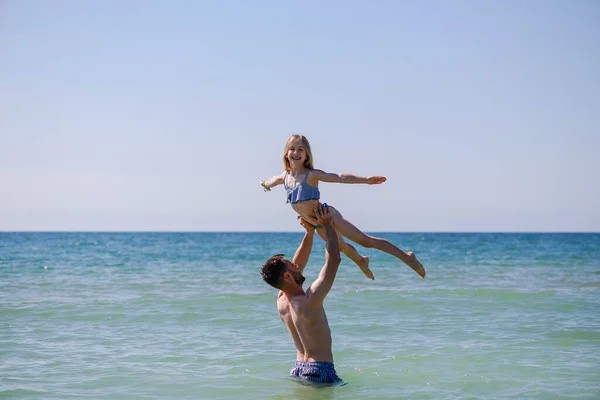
x=278, y=270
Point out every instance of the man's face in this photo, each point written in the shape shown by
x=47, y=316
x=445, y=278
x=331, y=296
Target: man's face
x=293, y=270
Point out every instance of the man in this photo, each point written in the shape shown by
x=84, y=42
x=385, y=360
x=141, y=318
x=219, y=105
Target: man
x=302, y=311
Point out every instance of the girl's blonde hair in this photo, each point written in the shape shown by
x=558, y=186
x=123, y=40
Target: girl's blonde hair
x=308, y=163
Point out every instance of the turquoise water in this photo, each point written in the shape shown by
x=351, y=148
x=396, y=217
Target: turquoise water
x=186, y=316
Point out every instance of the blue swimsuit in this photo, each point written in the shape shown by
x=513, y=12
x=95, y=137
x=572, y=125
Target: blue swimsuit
x=316, y=372
x=302, y=191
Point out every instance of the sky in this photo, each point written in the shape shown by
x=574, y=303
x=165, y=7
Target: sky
x=165, y=115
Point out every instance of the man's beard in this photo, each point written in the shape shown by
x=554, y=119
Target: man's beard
x=299, y=278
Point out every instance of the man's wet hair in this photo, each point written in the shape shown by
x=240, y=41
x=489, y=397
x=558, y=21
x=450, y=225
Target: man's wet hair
x=272, y=271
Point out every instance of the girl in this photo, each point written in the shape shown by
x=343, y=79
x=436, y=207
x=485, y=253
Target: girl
x=301, y=182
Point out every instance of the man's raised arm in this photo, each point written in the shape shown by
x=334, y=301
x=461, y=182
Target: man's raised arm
x=324, y=282
x=303, y=252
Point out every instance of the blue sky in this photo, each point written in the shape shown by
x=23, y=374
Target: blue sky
x=156, y=115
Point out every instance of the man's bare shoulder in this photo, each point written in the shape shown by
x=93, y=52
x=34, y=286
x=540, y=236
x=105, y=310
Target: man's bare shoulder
x=299, y=303
x=282, y=298
x=312, y=301
x=308, y=303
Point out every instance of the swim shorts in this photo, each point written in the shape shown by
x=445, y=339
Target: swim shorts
x=317, y=372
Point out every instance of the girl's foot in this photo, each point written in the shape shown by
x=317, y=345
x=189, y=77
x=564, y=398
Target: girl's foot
x=415, y=264
x=364, y=267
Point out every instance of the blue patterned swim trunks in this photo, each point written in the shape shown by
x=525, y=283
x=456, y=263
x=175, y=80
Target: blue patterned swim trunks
x=317, y=372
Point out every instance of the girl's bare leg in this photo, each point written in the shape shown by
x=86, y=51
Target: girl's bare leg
x=356, y=235
x=351, y=252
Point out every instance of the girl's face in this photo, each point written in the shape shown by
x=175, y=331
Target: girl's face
x=296, y=154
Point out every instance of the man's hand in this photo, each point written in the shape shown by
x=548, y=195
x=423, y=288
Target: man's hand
x=375, y=180
x=309, y=228
x=322, y=215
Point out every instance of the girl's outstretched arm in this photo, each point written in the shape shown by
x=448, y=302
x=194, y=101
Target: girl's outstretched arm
x=346, y=178
x=272, y=182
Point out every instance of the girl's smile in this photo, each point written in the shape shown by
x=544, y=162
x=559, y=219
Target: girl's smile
x=296, y=154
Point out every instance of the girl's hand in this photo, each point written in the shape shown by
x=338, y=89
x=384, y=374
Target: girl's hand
x=264, y=186
x=375, y=180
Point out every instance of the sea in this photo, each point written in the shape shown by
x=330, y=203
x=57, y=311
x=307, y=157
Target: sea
x=168, y=315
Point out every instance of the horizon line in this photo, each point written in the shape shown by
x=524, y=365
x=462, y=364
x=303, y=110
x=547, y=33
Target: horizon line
x=271, y=231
